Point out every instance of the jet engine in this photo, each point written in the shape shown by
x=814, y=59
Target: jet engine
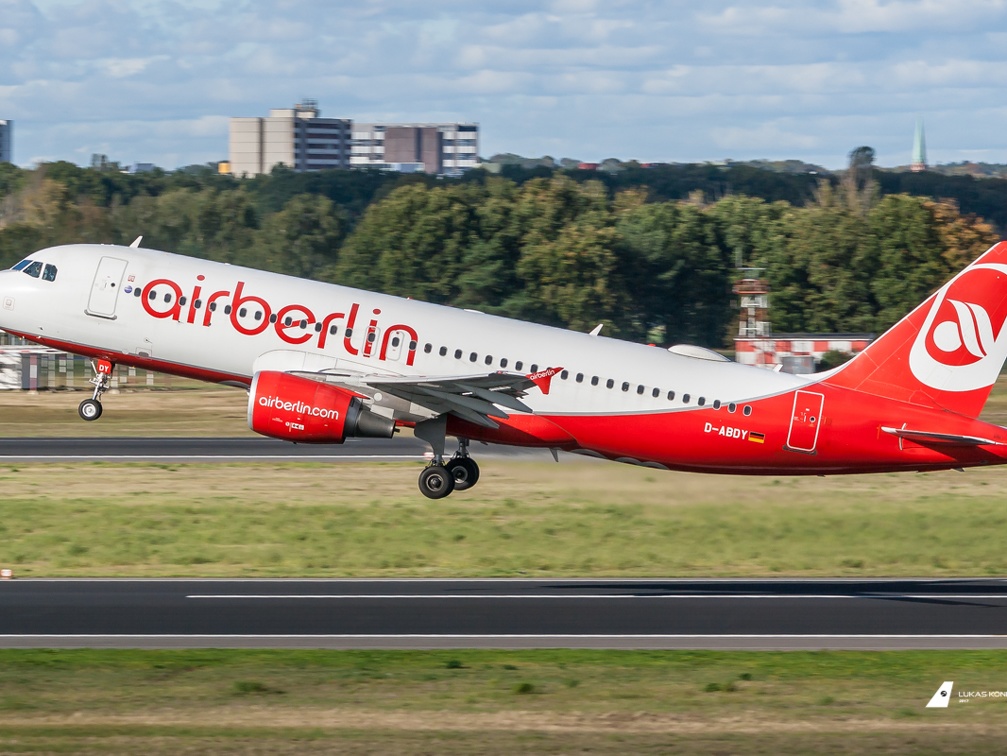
x=298, y=409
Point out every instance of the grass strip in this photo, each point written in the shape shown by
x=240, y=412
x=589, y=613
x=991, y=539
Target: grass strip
x=566, y=701
x=578, y=518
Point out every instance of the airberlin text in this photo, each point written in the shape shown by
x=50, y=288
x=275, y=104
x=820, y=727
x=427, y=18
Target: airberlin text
x=725, y=430
x=290, y=322
x=275, y=402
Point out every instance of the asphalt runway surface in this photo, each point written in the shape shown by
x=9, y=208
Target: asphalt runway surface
x=230, y=449
x=655, y=614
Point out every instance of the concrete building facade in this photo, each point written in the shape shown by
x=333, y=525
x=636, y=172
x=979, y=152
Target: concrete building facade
x=297, y=137
x=6, y=141
x=437, y=148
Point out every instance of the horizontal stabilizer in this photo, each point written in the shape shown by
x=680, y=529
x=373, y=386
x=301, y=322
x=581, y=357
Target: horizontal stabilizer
x=943, y=439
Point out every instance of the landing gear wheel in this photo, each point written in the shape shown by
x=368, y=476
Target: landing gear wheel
x=465, y=472
x=89, y=409
x=436, y=482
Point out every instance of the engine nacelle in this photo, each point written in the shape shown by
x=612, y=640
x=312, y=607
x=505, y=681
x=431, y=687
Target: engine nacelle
x=298, y=409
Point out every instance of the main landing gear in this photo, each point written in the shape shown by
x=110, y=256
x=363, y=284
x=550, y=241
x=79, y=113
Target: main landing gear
x=439, y=479
x=90, y=409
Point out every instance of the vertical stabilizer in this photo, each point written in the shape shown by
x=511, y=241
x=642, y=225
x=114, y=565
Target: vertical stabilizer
x=947, y=352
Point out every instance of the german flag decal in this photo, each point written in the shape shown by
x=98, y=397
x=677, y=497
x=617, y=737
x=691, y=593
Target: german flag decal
x=757, y=438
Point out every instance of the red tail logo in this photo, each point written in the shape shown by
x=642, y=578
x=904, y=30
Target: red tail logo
x=954, y=344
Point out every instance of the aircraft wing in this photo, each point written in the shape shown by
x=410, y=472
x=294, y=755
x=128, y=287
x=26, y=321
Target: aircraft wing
x=943, y=439
x=476, y=398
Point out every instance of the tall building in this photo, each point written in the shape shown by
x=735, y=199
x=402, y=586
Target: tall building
x=919, y=162
x=296, y=137
x=6, y=140
x=421, y=147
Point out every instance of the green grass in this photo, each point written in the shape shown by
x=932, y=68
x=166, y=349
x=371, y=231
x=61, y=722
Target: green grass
x=495, y=701
x=580, y=517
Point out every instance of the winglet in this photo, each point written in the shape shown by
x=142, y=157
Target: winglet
x=597, y=329
x=136, y=242
x=543, y=378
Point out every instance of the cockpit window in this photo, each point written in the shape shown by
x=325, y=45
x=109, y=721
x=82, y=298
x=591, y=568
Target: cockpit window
x=22, y=265
x=34, y=270
x=49, y=274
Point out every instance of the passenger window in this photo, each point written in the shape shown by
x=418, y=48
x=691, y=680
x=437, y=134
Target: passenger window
x=227, y=309
x=258, y=314
x=702, y=401
x=213, y=305
x=428, y=348
x=318, y=327
x=747, y=410
x=348, y=333
x=288, y=321
x=685, y=398
x=625, y=386
x=167, y=297
x=137, y=292
x=580, y=378
x=443, y=351
x=640, y=390
x=594, y=380
x=153, y=295
x=533, y=369
x=473, y=357
x=716, y=403
x=655, y=393
x=732, y=408
x=34, y=270
x=242, y=312
x=370, y=335
x=396, y=341
x=518, y=365
x=50, y=273
x=198, y=303
x=609, y=383
x=671, y=396
x=565, y=374
x=333, y=330
x=458, y=354
x=503, y=362
x=412, y=346
x=181, y=301
x=489, y=360
x=272, y=318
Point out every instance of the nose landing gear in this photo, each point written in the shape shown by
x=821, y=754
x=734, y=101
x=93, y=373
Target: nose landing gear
x=90, y=409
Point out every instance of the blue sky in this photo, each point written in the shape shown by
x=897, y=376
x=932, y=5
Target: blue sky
x=157, y=80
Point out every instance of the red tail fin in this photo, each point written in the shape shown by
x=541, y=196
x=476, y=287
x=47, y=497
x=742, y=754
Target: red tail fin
x=947, y=352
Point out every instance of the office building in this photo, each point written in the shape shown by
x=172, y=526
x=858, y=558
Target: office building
x=6, y=141
x=295, y=137
x=438, y=148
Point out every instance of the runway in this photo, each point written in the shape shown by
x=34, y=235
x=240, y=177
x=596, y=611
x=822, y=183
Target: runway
x=653, y=614
x=230, y=449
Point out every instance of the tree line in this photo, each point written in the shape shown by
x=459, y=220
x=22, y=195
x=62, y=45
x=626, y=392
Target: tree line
x=560, y=248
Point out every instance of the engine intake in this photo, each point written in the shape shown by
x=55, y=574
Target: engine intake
x=285, y=406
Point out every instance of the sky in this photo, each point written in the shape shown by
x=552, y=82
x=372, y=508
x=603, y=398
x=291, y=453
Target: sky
x=675, y=80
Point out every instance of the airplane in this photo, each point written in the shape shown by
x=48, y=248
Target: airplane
x=323, y=362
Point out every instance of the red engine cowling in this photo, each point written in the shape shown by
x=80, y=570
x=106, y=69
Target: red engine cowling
x=286, y=406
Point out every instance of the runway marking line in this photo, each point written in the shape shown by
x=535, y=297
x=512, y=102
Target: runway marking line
x=585, y=596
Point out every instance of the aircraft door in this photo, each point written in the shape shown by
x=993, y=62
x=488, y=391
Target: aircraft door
x=105, y=289
x=805, y=421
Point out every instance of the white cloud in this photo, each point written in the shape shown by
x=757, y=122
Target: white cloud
x=580, y=78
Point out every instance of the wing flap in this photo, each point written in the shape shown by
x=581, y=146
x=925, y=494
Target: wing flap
x=476, y=398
